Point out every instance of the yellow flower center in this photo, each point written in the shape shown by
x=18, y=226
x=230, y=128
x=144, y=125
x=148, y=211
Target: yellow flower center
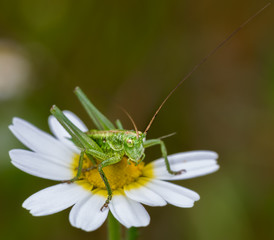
x=118, y=174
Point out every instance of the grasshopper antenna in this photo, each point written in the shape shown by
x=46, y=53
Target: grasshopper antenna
x=131, y=119
x=168, y=135
x=203, y=61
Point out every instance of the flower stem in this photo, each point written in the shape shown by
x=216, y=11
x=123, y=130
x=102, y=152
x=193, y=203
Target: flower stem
x=132, y=234
x=114, y=228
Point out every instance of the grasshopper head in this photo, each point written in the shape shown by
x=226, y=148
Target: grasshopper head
x=133, y=145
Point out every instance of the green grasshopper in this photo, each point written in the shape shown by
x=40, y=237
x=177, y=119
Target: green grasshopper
x=108, y=144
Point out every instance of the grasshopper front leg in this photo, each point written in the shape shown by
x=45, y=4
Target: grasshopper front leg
x=106, y=163
x=153, y=142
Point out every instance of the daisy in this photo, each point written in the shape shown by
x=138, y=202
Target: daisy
x=56, y=158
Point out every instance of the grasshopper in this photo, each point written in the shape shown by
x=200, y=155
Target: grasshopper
x=109, y=143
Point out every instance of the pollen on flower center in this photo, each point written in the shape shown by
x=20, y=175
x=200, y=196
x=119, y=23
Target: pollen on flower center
x=118, y=174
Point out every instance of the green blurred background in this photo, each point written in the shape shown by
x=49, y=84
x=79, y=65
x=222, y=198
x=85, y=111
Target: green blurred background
x=132, y=53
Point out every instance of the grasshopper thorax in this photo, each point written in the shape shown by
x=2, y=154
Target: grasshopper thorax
x=125, y=143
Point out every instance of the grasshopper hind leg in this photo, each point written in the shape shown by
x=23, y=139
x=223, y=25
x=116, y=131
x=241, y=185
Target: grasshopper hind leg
x=79, y=169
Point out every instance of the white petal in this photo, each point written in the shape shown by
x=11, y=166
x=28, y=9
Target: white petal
x=37, y=140
x=196, y=163
x=127, y=211
x=193, y=169
x=58, y=130
x=54, y=199
x=41, y=165
x=187, y=157
x=140, y=193
x=174, y=194
x=86, y=214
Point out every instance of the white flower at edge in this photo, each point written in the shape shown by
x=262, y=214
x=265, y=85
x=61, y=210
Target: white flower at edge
x=54, y=158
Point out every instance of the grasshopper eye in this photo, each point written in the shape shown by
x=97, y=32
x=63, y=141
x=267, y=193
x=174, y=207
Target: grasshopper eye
x=130, y=142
